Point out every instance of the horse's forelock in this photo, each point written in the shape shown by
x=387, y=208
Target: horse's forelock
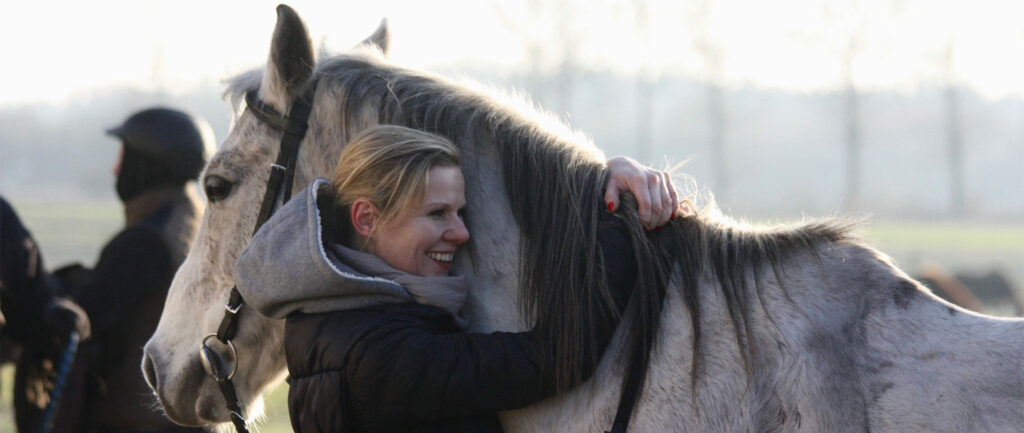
x=236, y=87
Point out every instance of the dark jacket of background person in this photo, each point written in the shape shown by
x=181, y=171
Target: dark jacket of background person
x=395, y=366
x=36, y=318
x=123, y=296
x=33, y=311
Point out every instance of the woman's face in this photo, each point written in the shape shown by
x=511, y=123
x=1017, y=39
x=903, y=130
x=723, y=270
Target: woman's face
x=424, y=240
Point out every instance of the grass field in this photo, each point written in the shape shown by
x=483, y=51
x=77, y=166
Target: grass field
x=75, y=232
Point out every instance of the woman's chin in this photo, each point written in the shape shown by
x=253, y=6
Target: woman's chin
x=441, y=268
x=433, y=268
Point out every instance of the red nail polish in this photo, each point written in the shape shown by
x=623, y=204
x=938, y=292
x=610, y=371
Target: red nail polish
x=611, y=207
x=673, y=215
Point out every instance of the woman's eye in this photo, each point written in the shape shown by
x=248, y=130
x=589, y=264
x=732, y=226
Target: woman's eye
x=436, y=213
x=217, y=188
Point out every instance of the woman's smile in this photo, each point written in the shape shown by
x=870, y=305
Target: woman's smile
x=444, y=258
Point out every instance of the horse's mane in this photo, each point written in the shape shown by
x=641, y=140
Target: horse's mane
x=737, y=256
x=555, y=188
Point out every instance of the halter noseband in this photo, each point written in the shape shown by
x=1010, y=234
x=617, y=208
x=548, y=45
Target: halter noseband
x=282, y=174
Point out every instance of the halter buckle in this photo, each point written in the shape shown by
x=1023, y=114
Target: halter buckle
x=233, y=309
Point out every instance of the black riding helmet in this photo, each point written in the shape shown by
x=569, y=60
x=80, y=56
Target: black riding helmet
x=162, y=146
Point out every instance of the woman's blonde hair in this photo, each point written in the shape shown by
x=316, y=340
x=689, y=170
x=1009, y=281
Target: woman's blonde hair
x=389, y=166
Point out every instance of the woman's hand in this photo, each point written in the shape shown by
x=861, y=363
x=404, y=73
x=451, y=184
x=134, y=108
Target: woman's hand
x=655, y=196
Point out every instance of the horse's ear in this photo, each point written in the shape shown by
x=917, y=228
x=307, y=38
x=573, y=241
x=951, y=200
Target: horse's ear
x=291, y=61
x=381, y=38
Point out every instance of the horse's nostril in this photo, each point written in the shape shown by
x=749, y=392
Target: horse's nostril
x=149, y=372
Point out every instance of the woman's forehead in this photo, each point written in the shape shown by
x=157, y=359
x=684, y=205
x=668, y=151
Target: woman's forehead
x=445, y=185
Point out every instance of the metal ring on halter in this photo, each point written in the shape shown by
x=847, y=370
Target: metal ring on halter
x=209, y=358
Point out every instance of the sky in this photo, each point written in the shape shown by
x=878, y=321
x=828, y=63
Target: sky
x=56, y=51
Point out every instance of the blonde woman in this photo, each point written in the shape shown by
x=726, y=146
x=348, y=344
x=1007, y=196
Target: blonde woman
x=375, y=337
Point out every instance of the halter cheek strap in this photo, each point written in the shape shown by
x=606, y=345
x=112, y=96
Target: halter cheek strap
x=282, y=175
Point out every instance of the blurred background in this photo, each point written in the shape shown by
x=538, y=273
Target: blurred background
x=907, y=111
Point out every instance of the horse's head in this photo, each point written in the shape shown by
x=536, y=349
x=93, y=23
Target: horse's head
x=234, y=182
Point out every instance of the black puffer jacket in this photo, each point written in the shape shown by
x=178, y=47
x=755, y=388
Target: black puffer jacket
x=405, y=367
x=363, y=358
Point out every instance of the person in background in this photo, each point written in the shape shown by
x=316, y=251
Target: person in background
x=35, y=315
x=162, y=152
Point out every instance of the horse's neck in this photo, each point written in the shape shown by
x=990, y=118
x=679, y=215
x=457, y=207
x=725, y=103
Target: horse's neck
x=857, y=326
x=317, y=158
x=492, y=259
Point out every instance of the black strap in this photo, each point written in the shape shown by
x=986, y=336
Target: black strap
x=631, y=390
x=229, y=324
x=270, y=195
x=282, y=176
x=293, y=127
x=294, y=123
x=640, y=359
x=234, y=408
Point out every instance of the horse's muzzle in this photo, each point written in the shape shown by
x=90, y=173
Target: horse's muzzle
x=149, y=373
x=177, y=408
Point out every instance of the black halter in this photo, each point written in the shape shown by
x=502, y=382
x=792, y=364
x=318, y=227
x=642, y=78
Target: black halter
x=282, y=174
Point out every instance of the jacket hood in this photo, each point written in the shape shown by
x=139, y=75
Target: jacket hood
x=288, y=267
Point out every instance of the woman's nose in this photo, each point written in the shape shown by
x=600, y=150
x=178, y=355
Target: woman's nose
x=457, y=234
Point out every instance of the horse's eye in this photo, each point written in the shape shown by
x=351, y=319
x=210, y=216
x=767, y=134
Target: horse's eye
x=217, y=188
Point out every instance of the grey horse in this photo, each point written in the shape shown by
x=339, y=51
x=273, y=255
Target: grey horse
x=768, y=329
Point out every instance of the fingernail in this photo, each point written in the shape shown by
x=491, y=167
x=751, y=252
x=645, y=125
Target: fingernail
x=673, y=215
x=611, y=207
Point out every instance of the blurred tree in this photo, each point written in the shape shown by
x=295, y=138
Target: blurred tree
x=645, y=84
x=551, y=33
x=699, y=23
x=524, y=26
x=954, y=139
x=846, y=23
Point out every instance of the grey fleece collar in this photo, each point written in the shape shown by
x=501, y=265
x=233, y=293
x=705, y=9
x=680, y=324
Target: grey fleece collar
x=286, y=268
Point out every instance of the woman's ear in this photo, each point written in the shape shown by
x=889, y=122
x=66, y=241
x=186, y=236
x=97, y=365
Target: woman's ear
x=363, y=216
